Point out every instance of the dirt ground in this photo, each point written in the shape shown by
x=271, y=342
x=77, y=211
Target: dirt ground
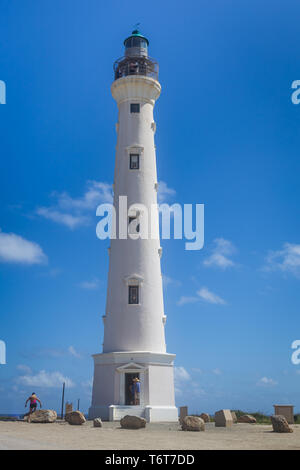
x=61, y=435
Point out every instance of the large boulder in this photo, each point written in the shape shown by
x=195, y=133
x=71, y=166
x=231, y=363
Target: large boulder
x=133, y=422
x=205, y=417
x=76, y=418
x=192, y=423
x=97, y=423
x=246, y=419
x=280, y=424
x=43, y=416
x=234, y=418
x=223, y=418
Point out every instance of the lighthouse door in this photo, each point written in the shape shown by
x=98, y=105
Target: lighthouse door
x=129, y=391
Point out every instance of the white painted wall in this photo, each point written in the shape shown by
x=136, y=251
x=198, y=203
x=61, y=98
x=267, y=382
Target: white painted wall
x=135, y=327
x=161, y=385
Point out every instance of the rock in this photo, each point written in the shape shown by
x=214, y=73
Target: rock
x=192, y=423
x=285, y=410
x=43, y=416
x=246, y=419
x=97, y=423
x=76, y=418
x=132, y=422
x=234, y=418
x=280, y=424
x=183, y=413
x=205, y=417
x=223, y=418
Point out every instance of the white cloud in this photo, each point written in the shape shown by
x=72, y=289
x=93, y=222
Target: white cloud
x=187, y=300
x=265, y=381
x=51, y=353
x=90, y=285
x=45, y=379
x=182, y=377
x=87, y=384
x=87, y=387
x=205, y=294
x=69, y=220
x=181, y=374
x=169, y=280
x=217, y=371
x=24, y=368
x=196, y=369
x=286, y=260
x=164, y=192
x=74, y=212
x=210, y=297
x=73, y=352
x=15, y=249
x=220, y=254
x=96, y=193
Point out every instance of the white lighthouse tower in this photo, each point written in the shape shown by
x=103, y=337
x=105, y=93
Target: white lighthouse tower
x=134, y=322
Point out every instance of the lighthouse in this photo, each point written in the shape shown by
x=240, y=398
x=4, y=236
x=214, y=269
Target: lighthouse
x=134, y=375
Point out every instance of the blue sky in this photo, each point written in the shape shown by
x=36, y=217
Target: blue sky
x=227, y=136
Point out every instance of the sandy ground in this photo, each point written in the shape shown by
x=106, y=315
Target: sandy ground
x=61, y=435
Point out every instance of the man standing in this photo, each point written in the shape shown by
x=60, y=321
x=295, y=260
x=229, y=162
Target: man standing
x=137, y=390
x=33, y=404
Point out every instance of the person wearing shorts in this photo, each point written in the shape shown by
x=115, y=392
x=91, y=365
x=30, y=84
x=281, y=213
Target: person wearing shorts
x=33, y=404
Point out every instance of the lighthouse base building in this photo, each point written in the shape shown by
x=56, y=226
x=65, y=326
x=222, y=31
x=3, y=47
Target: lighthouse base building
x=112, y=378
x=134, y=375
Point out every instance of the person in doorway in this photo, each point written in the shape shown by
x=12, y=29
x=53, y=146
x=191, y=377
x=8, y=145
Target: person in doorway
x=33, y=405
x=131, y=391
x=137, y=390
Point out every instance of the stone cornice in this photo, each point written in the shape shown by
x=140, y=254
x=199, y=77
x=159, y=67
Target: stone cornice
x=134, y=356
x=136, y=87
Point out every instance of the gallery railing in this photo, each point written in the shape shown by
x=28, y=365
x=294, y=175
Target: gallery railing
x=136, y=66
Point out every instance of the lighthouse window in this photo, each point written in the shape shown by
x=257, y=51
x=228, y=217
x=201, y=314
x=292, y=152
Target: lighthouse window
x=134, y=107
x=132, y=228
x=134, y=161
x=133, y=295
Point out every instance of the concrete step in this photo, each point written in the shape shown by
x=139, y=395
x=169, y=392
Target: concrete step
x=121, y=411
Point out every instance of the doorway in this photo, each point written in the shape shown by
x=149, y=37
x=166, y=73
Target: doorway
x=129, y=394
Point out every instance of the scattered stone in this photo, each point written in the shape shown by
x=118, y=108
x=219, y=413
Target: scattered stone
x=192, y=423
x=246, y=419
x=285, y=410
x=183, y=412
x=234, y=418
x=69, y=408
x=205, y=417
x=76, y=418
x=43, y=416
x=97, y=423
x=280, y=424
x=132, y=422
x=223, y=418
